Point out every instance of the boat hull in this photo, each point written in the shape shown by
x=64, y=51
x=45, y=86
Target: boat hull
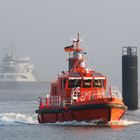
x=89, y=112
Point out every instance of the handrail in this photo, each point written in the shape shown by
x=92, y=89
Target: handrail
x=77, y=95
x=50, y=101
x=114, y=92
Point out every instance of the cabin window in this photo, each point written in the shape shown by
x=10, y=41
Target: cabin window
x=87, y=83
x=63, y=83
x=74, y=83
x=98, y=83
x=54, y=91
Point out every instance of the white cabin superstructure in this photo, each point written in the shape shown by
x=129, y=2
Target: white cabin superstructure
x=15, y=68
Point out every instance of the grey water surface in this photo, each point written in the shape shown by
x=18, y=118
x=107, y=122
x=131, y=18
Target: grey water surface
x=18, y=121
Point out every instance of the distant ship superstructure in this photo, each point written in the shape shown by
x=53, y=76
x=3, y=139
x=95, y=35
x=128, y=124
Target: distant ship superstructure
x=16, y=68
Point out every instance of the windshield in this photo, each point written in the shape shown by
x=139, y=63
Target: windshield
x=87, y=83
x=74, y=83
x=98, y=83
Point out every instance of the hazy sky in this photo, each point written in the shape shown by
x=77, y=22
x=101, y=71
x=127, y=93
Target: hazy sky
x=42, y=28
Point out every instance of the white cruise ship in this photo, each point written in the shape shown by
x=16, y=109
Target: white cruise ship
x=15, y=68
x=17, y=77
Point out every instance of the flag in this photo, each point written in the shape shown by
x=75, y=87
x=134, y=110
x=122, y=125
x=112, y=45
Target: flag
x=69, y=48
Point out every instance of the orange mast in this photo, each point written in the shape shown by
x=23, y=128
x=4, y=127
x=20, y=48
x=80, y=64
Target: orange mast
x=76, y=60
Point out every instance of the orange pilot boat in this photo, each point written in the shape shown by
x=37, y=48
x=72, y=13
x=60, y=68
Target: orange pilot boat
x=80, y=94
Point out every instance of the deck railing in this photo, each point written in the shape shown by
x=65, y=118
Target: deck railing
x=78, y=96
x=50, y=101
x=114, y=92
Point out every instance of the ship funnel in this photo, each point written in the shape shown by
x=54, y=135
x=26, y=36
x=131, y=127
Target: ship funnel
x=130, y=77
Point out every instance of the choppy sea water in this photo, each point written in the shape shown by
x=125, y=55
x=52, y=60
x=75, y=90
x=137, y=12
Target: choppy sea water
x=18, y=121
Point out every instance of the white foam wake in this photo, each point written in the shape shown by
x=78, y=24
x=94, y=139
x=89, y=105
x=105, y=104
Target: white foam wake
x=10, y=118
x=123, y=122
x=82, y=123
x=18, y=118
x=97, y=123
